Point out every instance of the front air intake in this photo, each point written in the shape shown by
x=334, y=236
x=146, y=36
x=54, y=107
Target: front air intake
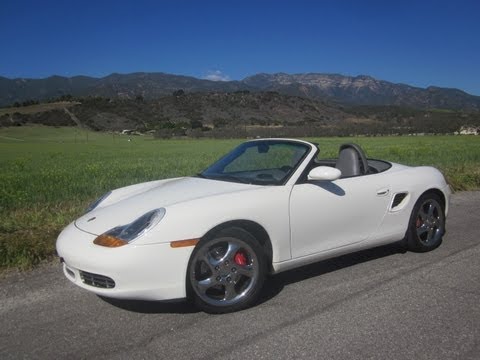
x=97, y=280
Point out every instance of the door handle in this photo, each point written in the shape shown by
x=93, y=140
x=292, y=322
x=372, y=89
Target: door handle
x=383, y=192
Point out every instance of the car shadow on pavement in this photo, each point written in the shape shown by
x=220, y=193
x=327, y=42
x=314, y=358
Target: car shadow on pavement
x=180, y=306
x=275, y=284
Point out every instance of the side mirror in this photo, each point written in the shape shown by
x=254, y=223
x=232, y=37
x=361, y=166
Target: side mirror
x=324, y=173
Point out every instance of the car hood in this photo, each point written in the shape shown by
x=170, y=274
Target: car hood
x=127, y=204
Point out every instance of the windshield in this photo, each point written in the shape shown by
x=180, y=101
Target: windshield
x=264, y=162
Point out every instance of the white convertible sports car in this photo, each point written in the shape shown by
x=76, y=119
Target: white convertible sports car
x=267, y=206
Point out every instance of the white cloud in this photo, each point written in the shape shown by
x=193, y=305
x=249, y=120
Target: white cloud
x=216, y=75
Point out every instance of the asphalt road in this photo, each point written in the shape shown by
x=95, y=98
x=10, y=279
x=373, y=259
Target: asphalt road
x=377, y=304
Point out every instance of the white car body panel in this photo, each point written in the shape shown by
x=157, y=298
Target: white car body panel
x=305, y=222
x=391, y=229
x=323, y=213
x=155, y=195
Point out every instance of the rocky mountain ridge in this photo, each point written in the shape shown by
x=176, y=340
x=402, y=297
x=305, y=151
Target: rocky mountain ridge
x=341, y=89
x=364, y=90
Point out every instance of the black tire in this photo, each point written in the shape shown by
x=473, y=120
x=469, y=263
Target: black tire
x=226, y=272
x=427, y=224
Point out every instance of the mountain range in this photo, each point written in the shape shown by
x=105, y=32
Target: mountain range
x=335, y=88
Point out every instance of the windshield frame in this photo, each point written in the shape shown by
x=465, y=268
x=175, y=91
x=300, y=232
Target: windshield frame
x=235, y=153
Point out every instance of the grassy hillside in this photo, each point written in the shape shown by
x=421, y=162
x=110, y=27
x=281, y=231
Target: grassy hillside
x=228, y=115
x=36, y=108
x=49, y=175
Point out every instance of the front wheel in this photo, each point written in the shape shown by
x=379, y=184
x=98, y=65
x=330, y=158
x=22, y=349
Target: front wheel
x=427, y=224
x=226, y=273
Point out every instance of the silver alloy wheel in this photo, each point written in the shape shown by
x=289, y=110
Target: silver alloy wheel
x=224, y=271
x=430, y=222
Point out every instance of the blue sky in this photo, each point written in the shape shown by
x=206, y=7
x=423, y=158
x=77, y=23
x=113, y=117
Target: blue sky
x=420, y=43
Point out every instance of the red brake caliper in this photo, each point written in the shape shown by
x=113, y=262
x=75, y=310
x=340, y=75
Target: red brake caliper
x=240, y=258
x=419, y=222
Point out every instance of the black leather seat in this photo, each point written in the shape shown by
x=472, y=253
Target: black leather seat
x=351, y=160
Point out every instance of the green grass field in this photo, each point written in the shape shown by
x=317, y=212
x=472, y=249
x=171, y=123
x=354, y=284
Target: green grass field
x=49, y=175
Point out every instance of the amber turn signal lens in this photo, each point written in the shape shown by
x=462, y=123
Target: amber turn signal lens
x=109, y=241
x=184, y=243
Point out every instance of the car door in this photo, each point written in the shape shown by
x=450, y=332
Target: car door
x=325, y=215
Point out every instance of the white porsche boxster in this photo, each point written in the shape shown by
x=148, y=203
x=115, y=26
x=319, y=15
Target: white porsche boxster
x=268, y=206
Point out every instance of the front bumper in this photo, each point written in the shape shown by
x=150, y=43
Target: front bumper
x=447, y=191
x=141, y=272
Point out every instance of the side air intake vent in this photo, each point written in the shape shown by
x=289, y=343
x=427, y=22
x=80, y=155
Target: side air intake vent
x=397, y=200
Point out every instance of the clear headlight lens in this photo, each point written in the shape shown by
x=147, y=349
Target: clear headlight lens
x=97, y=202
x=122, y=235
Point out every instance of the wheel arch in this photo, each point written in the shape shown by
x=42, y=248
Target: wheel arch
x=252, y=227
x=440, y=194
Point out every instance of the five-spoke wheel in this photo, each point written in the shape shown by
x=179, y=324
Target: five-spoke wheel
x=427, y=223
x=226, y=272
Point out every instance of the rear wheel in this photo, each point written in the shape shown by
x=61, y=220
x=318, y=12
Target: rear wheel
x=427, y=224
x=226, y=273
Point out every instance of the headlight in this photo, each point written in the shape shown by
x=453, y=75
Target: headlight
x=122, y=235
x=97, y=202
